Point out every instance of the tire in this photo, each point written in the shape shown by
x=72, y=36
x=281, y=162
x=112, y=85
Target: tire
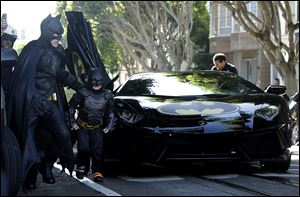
x=295, y=133
x=276, y=165
x=11, y=162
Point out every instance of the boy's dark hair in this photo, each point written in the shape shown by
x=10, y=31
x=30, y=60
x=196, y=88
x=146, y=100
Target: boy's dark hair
x=219, y=57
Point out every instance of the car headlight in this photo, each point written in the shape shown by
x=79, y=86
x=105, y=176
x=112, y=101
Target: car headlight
x=130, y=117
x=267, y=113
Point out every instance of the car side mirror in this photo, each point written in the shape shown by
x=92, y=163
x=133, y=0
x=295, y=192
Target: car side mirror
x=275, y=89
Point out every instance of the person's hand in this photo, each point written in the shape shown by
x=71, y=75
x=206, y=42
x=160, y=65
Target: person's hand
x=105, y=130
x=74, y=126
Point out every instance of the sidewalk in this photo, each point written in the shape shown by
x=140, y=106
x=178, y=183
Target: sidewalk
x=294, y=149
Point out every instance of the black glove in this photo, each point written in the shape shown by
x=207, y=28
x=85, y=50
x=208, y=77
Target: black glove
x=83, y=91
x=111, y=122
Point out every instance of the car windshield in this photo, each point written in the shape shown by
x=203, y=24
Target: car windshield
x=187, y=84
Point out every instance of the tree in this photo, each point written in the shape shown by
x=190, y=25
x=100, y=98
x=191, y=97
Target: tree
x=266, y=28
x=154, y=30
x=199, y=36
x=160, y=36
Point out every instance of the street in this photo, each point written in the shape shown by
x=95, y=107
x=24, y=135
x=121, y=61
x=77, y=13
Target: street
x=194, y=179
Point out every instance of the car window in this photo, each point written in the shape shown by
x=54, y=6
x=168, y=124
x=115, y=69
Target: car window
x=187, y=85
x=235, y=86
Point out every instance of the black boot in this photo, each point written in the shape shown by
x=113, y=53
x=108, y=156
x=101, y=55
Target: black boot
x=67, y=163
x=46, y=171
x=30, y=180
x=80, y=172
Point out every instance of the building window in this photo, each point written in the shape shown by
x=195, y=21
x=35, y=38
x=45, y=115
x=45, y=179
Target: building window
x=225, y=21
x=212, y=20
x=249, y=69
x=294, y=13
x=251, y=7
x=236, y=26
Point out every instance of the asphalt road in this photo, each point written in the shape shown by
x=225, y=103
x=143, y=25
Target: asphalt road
x=200, y=179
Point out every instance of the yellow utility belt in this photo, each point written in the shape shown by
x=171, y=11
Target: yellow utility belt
x=87, y=125
x=52, y=97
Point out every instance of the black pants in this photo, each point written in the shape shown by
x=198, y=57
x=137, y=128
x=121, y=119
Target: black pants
x=52, y=137
x=90, y=145
x=52, y=133
x=54, y=126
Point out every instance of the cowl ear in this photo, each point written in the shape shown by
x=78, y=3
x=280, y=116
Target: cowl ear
x=58, y=17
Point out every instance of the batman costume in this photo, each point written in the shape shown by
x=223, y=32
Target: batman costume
x=37, y=104
x=95, y=116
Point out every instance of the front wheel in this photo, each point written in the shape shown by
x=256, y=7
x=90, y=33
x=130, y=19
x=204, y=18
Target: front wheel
x=295, y=133
x=277, y=165
x=11, y=163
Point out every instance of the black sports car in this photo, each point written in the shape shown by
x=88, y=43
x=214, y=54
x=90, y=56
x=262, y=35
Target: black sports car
x=205, y=115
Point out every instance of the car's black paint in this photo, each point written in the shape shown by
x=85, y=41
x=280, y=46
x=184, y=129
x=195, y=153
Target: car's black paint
x=206, y=115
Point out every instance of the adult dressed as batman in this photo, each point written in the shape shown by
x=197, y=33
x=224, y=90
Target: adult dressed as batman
x=37, y=104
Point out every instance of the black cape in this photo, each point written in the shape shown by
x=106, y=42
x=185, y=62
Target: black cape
x=33, y=141
x=82, y=51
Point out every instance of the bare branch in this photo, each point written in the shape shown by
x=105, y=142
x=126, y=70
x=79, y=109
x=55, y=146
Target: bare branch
x=156, y=30
x=266, y=28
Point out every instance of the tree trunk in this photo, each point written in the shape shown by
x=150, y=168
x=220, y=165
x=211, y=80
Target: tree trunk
x=266, y=27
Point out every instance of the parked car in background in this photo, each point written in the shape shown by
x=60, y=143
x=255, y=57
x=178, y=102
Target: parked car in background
x=294, y=112
x=205, y=115
x=279, y=90
x=293, y=107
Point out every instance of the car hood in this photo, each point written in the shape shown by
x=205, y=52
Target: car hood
x=199, y=114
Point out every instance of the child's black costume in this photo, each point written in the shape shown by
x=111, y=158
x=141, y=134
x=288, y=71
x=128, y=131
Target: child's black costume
x=95, y=113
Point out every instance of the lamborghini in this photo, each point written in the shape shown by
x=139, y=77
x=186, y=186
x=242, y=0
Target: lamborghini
x=204, y=115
